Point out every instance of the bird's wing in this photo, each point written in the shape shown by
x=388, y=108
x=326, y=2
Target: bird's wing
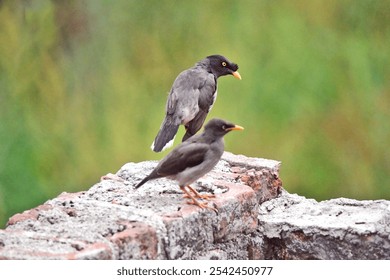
x=192, y=89
x=172, y=102
x=184, y=156
x=207, y=93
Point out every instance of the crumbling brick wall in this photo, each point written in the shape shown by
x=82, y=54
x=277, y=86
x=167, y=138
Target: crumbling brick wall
x=256, y=219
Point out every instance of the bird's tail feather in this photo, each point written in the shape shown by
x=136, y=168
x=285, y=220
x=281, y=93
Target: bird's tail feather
x=153, y=175
x=166, y=134
x=142, y=182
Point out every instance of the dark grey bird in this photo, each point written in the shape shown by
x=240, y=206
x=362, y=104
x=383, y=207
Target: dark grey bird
x=194, y=158
x=192, y=96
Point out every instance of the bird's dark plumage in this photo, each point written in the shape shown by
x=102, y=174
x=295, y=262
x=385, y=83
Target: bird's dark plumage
x=194, y=158
x=192, y=96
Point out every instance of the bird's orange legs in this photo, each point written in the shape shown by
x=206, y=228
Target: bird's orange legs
x=197, y=195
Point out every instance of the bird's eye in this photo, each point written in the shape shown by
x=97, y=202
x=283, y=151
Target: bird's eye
x=223, y=63
x=224, y=127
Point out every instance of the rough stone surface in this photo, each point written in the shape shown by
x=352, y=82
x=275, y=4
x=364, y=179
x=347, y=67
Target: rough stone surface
x=294, y=227
x=256, y=219
x=111, y=220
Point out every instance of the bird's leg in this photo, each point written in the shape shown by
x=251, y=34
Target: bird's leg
x=194, y=201
x=198, y=195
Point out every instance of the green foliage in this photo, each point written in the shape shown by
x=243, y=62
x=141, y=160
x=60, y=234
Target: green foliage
x=83, y=86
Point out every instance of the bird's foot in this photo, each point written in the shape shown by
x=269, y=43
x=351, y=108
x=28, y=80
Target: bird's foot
x=194, y=201
x=202, y=205
x=201, y=196
x=198, y=195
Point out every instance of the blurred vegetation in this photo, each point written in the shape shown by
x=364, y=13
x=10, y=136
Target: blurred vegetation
x=83, y=86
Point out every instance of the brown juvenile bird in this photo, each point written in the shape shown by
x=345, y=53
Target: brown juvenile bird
x=194, y=158
x=192, y=96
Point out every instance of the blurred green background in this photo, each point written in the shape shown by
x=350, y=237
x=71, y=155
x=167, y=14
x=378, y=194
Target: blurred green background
x=83, y=86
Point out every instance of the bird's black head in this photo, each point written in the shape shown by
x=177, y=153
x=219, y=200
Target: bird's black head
x=218, y=127
x=221, y=66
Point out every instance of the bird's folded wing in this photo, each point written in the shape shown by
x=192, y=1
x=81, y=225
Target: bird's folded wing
x=187, y=88
x=207, y=94
x=184, y=157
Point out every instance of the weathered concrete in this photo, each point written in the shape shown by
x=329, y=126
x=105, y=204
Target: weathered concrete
x=294, y=227
x=113, y=221
x=256, y=220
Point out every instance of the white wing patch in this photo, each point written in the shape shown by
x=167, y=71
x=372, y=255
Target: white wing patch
x=152, y=147
x=169, y=144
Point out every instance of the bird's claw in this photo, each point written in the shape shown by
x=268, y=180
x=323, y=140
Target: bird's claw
x=202, y=196
x=194, y=200
x=202, y=205
x=198, y=195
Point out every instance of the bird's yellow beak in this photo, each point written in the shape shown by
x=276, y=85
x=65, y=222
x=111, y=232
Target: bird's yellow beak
x=236, y=127
x=236, y=75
